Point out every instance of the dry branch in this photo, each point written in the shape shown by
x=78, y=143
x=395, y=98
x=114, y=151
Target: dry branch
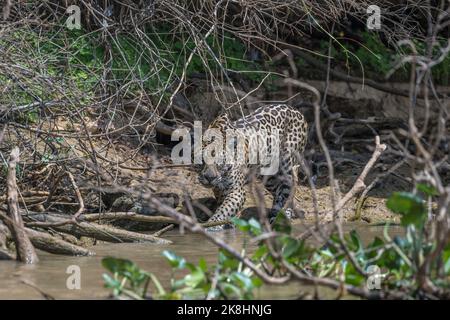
x=48, y=243
x=360, y=185
x=87, y=229
x=4, y=254
x=127, y=215
x=24, y=247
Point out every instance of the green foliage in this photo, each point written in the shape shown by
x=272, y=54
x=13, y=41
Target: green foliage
x=374, y=54
x=399, y=258
x=410, y=206
x=78, y=62
x=252, y=226
x=220, y=54
x=228, y=279
x=373, y=57
x=370, y=55
x=128, y=279
x=427, y=190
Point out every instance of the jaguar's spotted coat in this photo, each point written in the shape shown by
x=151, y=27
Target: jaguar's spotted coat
x=228, y=180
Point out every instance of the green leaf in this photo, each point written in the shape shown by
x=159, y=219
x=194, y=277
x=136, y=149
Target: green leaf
x=352, y=276
x=117, y=265
x=446, y=259
x=427, y=189
x=291, y=248
x=230, y=290
x=243, y=280
x=257, y=282
x=174, y=260
x=110, y=282
x=195, y=278
x=260, y=252
x=357, y=245
x=410, y=206
x=226, y=260
x=282, y=223
x=255, y=227
x=203, y=265
x=241, y=224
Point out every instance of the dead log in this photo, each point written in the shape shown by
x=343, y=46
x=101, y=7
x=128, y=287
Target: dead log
x=87, y=229
x=4, y=254
x=128, y=215
x=48, y=243
x=24, y=247
x=132, y=216
x=3, y=234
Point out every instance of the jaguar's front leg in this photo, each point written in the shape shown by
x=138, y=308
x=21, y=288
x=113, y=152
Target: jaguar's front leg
x=232, y=203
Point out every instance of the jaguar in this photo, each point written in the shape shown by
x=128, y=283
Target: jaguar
x=282, y=131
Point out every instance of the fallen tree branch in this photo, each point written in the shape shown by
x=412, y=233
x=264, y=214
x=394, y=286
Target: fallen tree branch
x=357, y=187
x=133, y=216
x=359, y=184
x=48, y=243
x=163, y=230
x=88, y=229
x=79, y=197
x=363, y=197
x=24, y=248
x=4, y=254
x=126, y=215
x=193, y=226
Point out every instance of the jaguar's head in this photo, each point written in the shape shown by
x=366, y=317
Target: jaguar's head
x=216, y=170
x=216, y=175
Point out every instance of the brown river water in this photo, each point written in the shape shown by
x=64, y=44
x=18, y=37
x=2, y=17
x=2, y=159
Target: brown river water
x=50, y=274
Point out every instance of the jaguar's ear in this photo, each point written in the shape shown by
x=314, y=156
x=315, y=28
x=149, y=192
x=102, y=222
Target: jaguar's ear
x=221, y=122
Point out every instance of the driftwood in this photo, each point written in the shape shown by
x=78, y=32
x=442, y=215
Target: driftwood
x=31, y=197
x=4, y=254
x=24, y=248
x=48, y=243
x=87, y=229
x=132, y=216
x=3, y=234
x=165, y=229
